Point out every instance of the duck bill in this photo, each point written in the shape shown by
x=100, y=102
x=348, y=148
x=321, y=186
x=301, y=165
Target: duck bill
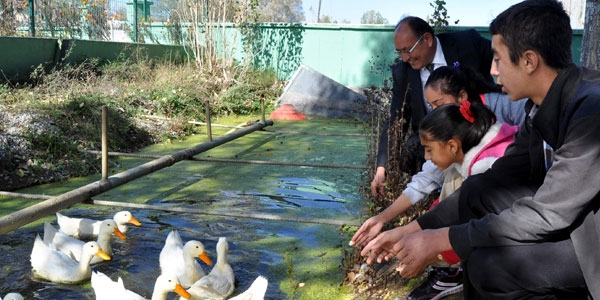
x=204, y=257
x=102, y=254
x=119, y=233
x=134, y=221
x=182, y=292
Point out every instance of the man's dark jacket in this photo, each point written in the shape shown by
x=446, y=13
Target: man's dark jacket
x=467, y=47
x=567, y=203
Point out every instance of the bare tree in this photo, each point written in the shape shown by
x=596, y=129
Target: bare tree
x=590, y=48
x=327, y=19
x=288, y=11
x=205, y=32
x=373, y=17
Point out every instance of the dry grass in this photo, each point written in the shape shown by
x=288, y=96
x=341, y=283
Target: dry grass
x=374, y=282
x=63, y=109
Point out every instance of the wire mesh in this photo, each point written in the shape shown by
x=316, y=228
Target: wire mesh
x=107, y=20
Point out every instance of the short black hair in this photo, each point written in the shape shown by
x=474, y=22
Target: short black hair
x=539, y=25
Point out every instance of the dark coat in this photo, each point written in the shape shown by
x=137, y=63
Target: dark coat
x=567, y=202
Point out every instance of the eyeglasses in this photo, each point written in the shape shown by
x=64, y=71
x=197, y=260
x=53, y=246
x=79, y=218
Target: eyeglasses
x=409, y=51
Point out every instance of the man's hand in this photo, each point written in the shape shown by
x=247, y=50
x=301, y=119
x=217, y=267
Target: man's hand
x=367, y=231
x=420, y=249
x=382, y=247
x=377, y=185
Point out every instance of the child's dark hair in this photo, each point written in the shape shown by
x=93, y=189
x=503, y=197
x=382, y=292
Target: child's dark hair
x=453, y=79
x=469, y=122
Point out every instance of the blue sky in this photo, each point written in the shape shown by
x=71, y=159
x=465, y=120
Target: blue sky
x=468, y=12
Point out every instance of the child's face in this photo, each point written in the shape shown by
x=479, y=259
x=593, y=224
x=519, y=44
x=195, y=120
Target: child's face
x=435, y=97
x=513, y=78
x=442, y=154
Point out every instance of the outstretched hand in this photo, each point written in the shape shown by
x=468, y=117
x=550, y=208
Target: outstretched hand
x=382, y=247
x=367, y=231
x=420, y=249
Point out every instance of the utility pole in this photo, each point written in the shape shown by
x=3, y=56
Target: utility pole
x=319, y=13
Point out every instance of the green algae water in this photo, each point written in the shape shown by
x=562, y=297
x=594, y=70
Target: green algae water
x=300, y=259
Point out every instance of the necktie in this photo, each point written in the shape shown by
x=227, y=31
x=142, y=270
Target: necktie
x=430, y=68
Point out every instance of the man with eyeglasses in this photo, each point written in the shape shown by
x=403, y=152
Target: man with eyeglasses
x=418, y=47
x=420, y=52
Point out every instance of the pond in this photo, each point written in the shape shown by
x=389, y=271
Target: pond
x=225, y=199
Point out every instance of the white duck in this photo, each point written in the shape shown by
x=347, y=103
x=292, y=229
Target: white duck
x=219, y=283
x=73, y=247
x=55, y=266
x=179, y=259
x=106, y=289
x=83, y=228
x=13, y=296
x=256, y=291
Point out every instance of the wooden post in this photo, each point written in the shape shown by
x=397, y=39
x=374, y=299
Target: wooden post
x=104, y=143
x=208, y=125
x=262, y=109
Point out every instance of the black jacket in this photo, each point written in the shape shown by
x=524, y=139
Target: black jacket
x=567, y=201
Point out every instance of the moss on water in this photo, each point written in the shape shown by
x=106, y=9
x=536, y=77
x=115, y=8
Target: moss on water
x=308, y=272
x=301, y=260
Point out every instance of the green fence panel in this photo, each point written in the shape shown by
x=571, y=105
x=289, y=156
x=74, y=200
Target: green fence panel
x=353, y=55
x=19, y=56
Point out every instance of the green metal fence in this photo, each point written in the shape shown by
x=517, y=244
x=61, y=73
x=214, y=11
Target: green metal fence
x=114, y=20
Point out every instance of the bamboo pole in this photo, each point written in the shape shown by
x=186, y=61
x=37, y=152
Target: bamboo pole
x=54, y=204
x=190, y=210
x=241, y=161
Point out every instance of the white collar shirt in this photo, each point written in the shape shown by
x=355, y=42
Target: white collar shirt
x=439, y=60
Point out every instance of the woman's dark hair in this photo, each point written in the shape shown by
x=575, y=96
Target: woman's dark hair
x=469, y=122
x=540, y=25
x=453, y=79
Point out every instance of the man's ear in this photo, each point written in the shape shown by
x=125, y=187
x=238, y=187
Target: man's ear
x=429, y=39
x=531, y=60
